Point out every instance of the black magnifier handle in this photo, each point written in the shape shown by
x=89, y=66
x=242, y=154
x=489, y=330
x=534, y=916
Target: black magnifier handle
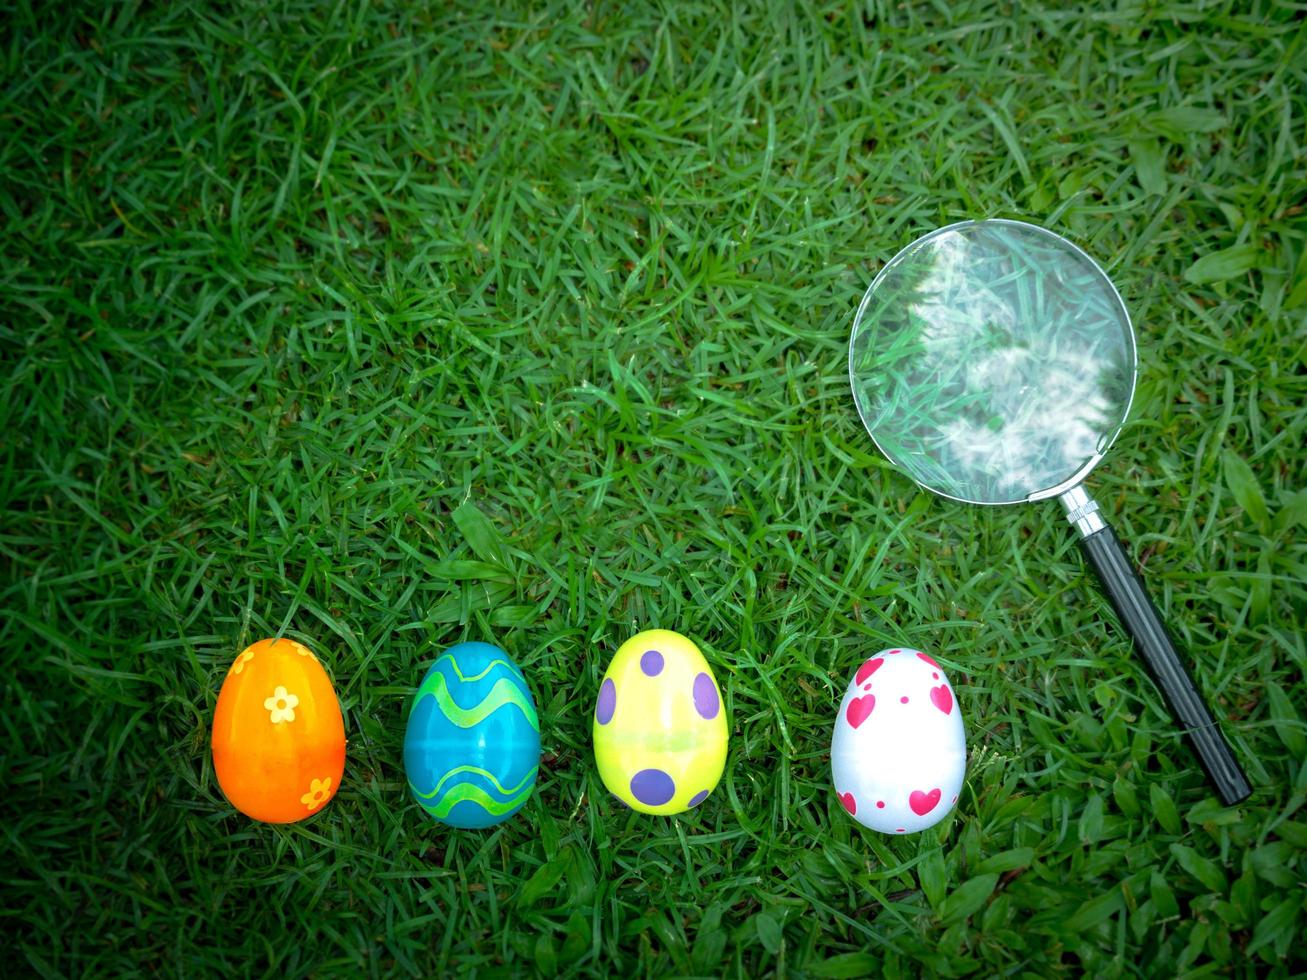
x=1139, y=616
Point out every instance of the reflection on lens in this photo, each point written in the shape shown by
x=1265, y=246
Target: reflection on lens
x=992, y=360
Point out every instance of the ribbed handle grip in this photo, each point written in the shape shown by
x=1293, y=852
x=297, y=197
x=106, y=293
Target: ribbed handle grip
x=1139, y=616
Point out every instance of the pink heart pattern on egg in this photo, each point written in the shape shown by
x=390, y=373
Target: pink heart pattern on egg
x=869, y=668
x=923, y=803
x=859, y=709
x=942, y=698
x=849, y=802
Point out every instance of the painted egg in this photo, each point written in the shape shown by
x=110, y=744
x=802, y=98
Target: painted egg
x=660, y=725
x=278, y=737
x=472, y=746
x=899, y=753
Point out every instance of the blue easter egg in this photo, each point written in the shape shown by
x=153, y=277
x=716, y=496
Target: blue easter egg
x=472, y=746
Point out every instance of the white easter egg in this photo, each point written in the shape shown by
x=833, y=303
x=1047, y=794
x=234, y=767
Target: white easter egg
x=899, y=754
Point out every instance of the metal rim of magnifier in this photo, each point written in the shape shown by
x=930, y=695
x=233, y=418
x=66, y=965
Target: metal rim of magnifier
x=1100, y=451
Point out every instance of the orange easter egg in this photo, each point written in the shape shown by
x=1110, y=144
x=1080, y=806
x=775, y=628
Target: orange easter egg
x=278, y=737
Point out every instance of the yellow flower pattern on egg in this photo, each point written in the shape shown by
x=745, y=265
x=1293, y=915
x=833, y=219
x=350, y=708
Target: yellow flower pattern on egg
x=281, y=706
x=319, y=792
x=660, y=725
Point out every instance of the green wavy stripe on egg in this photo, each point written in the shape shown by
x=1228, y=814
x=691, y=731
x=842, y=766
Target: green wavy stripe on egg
x=504, y=692
x=489, y=776
x=472, y=793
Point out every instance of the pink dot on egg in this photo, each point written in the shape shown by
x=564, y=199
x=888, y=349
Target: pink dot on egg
x=866, y=687
x=880, y=804
x=901, y=830
x=955, y=799
x=904, y=699
x=934, y=675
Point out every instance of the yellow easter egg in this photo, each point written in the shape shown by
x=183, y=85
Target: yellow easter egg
x=660, y=725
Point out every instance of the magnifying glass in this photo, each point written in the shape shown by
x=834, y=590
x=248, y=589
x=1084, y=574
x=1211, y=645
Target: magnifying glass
x=994, y=363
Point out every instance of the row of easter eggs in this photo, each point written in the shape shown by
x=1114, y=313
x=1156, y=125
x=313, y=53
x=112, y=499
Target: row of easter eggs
x=472, y=746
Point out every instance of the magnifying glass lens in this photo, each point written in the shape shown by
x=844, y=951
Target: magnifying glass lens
x=993, y=361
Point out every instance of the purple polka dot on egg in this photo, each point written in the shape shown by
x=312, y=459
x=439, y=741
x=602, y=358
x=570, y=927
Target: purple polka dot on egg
x=698, y=797
x=607, y=702
x=652, y=787
x=706, y=701
x=652, y=663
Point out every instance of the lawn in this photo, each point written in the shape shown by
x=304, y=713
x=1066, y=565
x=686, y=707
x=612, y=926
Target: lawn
x=285, y=286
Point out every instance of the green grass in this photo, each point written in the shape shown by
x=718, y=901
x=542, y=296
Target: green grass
x=282, y=288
